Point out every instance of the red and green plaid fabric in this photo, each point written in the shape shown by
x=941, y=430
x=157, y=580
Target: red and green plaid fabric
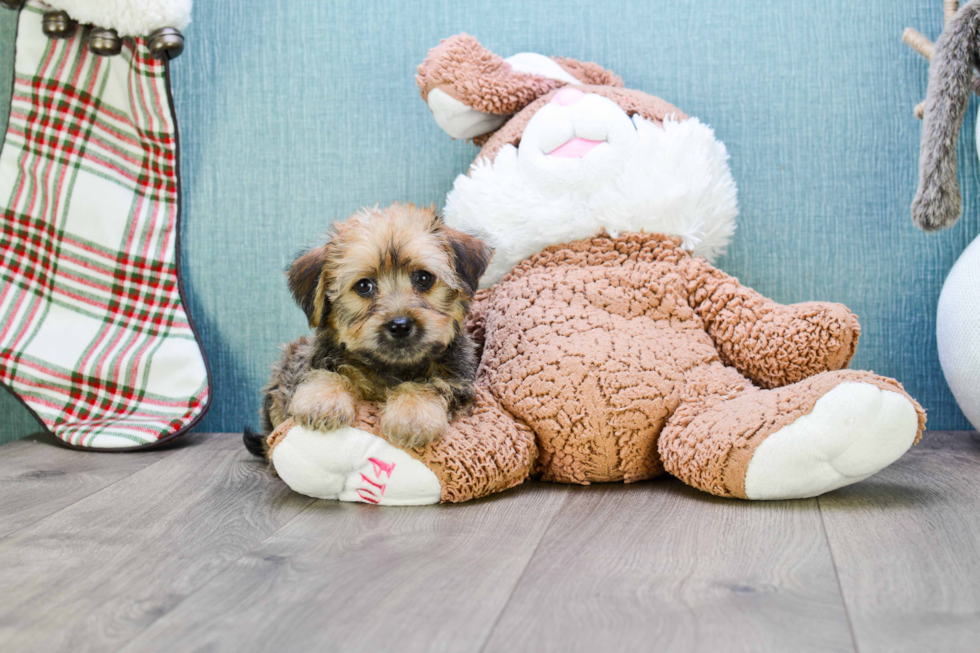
x=93, y=334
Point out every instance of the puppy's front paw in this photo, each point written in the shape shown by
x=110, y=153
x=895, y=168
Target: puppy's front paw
x=322, y=402
x=414, y=417
x=329, y=415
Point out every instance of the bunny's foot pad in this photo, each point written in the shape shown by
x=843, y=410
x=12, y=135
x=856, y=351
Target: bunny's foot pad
x=854, y=431
x=349, y=464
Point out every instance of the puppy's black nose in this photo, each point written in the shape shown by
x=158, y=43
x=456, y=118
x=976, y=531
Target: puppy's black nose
x=400, y=327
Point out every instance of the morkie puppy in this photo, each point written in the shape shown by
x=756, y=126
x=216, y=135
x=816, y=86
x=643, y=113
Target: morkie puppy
x=387, y=294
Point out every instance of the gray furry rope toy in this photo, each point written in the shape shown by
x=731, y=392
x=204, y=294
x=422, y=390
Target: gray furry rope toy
x=938, y=203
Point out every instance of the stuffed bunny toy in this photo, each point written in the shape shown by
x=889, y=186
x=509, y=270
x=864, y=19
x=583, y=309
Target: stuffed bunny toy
x=612, y=349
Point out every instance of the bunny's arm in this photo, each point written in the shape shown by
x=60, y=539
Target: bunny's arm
x=772, y=344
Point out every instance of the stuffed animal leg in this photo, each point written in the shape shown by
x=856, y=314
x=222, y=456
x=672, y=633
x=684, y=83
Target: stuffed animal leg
x=733, y=439
x=785, y=420
x=482, y=453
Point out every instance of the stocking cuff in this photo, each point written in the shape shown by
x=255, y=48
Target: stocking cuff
x=128, y=17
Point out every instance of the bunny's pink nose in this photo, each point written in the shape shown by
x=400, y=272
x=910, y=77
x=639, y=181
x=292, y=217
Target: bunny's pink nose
x=567, y=97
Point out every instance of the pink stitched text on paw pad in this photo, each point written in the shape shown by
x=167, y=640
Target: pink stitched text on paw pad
x=382, y=466
x=380, y=486
x=367, y=495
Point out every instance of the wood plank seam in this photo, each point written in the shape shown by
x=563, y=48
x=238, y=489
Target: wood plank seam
x=517, y=581
x=188, y=454
x=904, y=545
x=86, y=496
x=215, y=575
x=840, y=588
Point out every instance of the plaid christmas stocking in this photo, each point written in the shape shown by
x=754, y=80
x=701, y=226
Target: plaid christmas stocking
x=94, y=338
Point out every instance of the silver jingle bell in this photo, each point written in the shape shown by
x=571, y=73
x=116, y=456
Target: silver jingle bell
x=58, y=25
x=165, y=43
x=12, y=4
x=104, y=42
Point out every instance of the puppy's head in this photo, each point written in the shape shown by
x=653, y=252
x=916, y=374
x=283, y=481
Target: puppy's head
x=391, y=285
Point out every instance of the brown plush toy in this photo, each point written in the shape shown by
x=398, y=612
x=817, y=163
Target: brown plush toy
x=612, y=349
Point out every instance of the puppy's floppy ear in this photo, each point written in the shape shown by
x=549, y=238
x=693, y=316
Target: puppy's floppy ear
x=308, y=283
x=471, y=256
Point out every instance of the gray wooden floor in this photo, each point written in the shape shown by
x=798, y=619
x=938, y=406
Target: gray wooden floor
x=196, y=548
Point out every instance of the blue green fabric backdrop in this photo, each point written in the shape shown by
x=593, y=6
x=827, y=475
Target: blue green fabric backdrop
x=294, y=113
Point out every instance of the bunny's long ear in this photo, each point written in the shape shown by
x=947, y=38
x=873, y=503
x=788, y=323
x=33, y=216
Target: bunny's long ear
x=937, y=203
x=471, y=91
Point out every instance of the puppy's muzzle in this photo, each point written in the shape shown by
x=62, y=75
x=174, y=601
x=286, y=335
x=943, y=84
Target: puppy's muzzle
x=400, y=327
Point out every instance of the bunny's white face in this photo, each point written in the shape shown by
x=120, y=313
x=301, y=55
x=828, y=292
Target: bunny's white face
x=584, y=166
x=577, y=143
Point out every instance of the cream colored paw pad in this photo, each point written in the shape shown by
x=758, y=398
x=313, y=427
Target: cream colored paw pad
x=853, y=431
x=349, y=464
x=459, y=120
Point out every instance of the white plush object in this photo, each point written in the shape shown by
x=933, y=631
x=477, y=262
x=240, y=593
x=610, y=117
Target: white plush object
x=958, y=332
x=128, y=17
x=853, y=431
x=958, y=328
x=349, y=464
x=459, y=120
x=538, y=64
x=527, y=199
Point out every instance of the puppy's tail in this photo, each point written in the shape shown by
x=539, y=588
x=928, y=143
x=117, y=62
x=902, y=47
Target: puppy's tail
x=255, y=442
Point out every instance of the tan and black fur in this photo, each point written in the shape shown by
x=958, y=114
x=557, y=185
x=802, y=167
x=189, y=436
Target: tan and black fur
x=387, y=295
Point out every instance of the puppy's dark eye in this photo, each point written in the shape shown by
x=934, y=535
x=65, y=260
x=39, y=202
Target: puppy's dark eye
x=423, y=279
x=364, y=287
